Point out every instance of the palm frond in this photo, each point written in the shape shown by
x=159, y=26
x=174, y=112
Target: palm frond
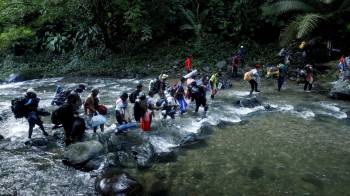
x=286, y=6
x=189, y=15
x=308, y=23
x=203, y=14
x=289, y=33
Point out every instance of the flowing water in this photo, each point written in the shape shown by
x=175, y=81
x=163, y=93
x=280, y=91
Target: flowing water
x=299, y=146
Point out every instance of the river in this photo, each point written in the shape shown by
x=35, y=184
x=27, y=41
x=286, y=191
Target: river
x=300, y=145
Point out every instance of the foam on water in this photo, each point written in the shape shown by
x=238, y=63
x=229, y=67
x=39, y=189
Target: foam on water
x=161, y=144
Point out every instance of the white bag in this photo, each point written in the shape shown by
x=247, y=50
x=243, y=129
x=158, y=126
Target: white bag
x=97, y=120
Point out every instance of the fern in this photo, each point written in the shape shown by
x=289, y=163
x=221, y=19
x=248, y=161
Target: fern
x=308, y=24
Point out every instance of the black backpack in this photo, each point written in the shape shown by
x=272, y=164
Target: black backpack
x=155, y=86
x=18, y=107
x=133, y=96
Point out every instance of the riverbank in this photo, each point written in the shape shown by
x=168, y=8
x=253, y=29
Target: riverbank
x=99, y=62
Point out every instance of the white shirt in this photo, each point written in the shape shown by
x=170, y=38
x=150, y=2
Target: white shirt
x=121, y=106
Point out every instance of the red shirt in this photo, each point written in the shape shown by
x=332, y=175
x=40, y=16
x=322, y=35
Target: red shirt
x=188, y=64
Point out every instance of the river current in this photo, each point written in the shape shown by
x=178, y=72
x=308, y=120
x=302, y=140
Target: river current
x=300, y=146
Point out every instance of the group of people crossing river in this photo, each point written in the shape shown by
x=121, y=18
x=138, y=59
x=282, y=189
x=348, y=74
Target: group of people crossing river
x=168, y=100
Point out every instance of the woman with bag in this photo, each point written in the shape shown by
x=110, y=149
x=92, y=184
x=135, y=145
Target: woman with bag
x=91, y=110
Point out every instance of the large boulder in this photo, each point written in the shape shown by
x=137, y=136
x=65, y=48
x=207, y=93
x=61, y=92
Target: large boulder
x=80, y=153
x=2, y=137
x=144, y=155
x=37, y=142
x=341, y=90
x=249, y=102
x=117, y=183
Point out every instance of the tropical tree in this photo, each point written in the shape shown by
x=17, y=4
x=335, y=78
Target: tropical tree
x=195, y=22
x=307, y=16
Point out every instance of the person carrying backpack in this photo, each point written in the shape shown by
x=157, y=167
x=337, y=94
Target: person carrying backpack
x=168, y=105
x=309, y=78
x=282, y=68
x=133, y=96
x=180, y=95
x=31, y=104
x=253, y=77
x=199, y=95
x=91, y=106
x=67, y=115
x=61, y=95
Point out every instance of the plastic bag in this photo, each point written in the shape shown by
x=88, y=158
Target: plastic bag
x=97, y=120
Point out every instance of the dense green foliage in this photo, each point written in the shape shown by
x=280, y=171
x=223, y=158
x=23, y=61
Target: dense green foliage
x=130, y=29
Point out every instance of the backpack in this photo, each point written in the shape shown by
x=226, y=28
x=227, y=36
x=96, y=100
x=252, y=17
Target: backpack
x=248, y=76
x=133, y=96
x=56, y=117
x=194, y=90
x=155, y=86
x=60, y=97
x=18, y=107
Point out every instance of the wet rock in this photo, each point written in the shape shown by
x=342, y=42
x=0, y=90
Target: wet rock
x=249, y=102
x=206, y=129
x=117, y=183
x=93, y=164
x=58, y=135
x=15, y=77
x=82, y=152
x=256, y=173
x=188, y=139
x=111, y=160
x=144, y=155
x=37, y=142
x=341, y=90
x=2, y=137
x=125, y=159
